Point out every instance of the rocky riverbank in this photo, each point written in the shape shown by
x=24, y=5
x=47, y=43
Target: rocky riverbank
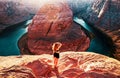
x=104, y=15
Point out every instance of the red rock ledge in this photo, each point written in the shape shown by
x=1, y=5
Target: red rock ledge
x=71, y=65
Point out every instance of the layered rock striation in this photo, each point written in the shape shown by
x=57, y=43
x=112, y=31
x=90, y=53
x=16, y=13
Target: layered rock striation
x=71, y=65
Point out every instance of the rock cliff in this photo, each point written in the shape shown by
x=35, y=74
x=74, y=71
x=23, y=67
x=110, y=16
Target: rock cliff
x=105, y=16
x=54, y=23
x=71, y=65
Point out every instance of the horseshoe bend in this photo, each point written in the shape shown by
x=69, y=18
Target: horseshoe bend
x=83, y=44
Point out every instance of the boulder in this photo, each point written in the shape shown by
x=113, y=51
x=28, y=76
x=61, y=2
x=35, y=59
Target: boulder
x=104, y=15
x=54, y=23
x=70, y=65
x=51, y=21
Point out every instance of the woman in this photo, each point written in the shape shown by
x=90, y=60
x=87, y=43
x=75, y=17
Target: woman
x=55, y=47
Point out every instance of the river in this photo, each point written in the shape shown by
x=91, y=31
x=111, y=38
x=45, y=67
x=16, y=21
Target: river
x=9, y=39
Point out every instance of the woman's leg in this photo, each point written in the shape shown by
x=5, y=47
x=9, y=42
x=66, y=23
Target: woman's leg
x=55, y=62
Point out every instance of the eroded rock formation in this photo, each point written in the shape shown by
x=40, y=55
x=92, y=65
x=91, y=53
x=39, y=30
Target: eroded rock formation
x=52, y=23
x=105, y=15
x=71, y=65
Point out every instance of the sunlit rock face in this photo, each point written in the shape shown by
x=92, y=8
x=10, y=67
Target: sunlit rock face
x=53, y=23
x=105, y=15
x=71, y=65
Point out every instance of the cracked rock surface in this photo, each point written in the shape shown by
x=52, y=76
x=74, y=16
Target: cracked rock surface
x=71, y=65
